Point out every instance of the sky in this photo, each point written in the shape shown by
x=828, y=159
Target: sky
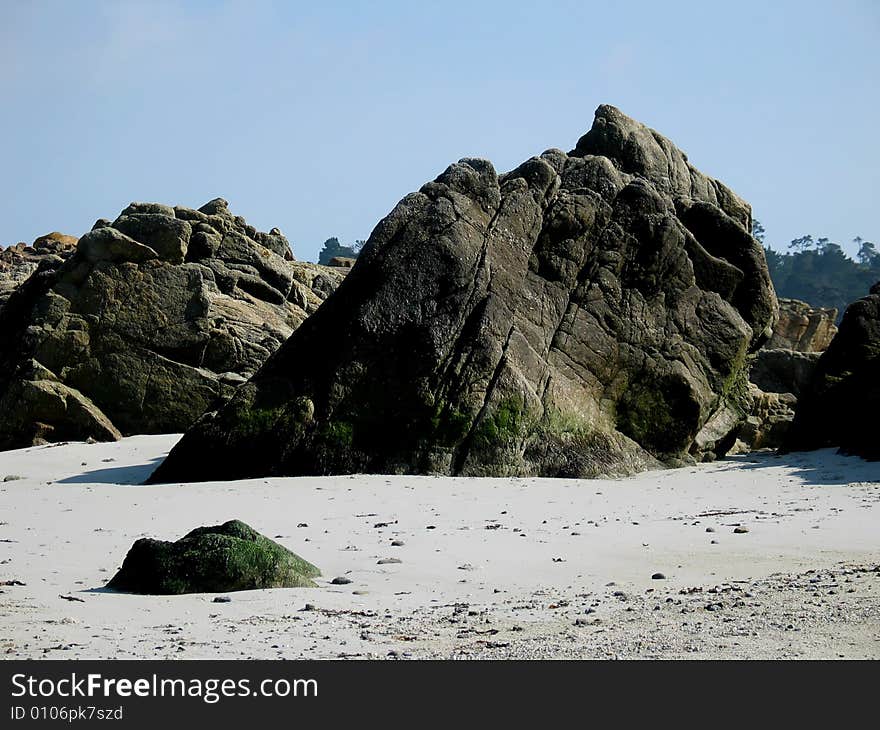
x=317, y=117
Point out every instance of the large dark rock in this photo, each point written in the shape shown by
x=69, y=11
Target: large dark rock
x=155, y=319
x=841, y=403
x=587, y=313
x=227, y=557
x=783, y=371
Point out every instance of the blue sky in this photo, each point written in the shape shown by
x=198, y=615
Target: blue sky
x=318, y=117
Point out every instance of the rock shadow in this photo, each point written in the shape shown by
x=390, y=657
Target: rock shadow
x=121, y=475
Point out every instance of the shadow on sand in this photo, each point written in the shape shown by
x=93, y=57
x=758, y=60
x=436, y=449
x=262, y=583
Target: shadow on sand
x=820, y=467
x=122, y=475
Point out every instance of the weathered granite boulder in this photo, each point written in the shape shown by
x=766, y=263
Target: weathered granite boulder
x=841, y=403
x=156, y=318
x=228, y=557
x=587, y=313
x=782, y=371
x=768, y=422
x=18, y=262
x=803, y=328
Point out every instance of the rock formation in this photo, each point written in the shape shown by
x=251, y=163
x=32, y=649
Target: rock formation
x=780, y=371
x=228, y=557
x=587, y=313
x=803, y=328
x=840, y=404
x=18, y=262
x=156, y=318
x=783, y=371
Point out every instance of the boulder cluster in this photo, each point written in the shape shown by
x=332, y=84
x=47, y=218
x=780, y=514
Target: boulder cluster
x=781, y=370
x=841, y=402
x=587, y=313
x=803, y=328
x=150, y=321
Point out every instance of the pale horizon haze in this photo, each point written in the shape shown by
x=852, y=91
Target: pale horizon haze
x=318, y=117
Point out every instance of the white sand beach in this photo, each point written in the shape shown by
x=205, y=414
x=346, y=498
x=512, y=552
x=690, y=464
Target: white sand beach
x=489, y=568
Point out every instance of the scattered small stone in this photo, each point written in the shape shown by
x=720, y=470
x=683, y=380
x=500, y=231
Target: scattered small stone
x=397, y=543
x=309, y=607
x=658, y=576
x=388, y=561
x=740, y=530
x=11, y=583
x=340, y=581
x=558, y=560
x=12, y=478
x=710, y=529
x=222, y=599
x=71, y=598
x=466, y=566
x=303, y=524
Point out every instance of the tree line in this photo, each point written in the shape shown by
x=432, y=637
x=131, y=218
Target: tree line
x=333, y=248
x=819, y=272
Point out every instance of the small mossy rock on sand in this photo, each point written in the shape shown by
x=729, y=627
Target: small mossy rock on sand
x=840, y=404
x=154, y=319
x=228, y=557
x=587, y=313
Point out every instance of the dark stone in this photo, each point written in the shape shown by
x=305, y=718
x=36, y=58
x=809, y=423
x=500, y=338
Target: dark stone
x=840, y=405
x=782, y=371
x=586, y=314
x=227, y=557
x=149, y=322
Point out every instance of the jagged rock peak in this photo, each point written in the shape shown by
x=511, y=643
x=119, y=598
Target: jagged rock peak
x=586, y=313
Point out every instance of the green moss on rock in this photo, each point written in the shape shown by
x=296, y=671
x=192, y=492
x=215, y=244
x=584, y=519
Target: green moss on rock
x=228, y=557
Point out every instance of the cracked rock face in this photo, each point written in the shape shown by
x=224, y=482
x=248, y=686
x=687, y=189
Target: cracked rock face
x=587, y=313
x=18, y=262
x=803, y=328
x=154, y=319
x=840, y=403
